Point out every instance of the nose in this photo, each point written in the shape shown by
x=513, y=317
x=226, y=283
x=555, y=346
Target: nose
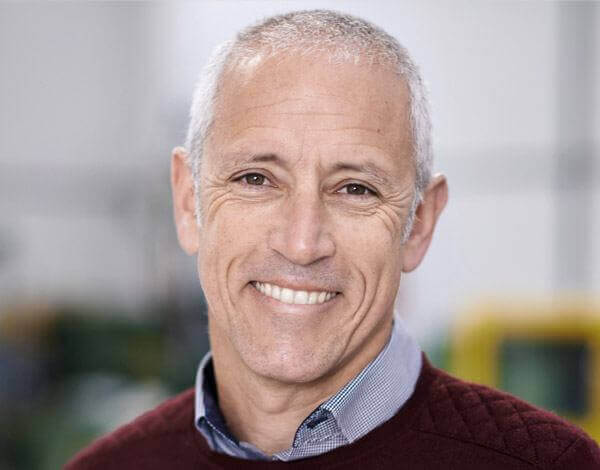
x=301, y=234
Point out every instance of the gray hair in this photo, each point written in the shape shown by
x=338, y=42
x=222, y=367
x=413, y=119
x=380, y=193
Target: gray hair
x=343, y=38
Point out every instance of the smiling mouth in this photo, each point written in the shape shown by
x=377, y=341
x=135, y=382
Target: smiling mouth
x=291, y=296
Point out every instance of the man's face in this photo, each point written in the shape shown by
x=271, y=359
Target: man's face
x=306, y=184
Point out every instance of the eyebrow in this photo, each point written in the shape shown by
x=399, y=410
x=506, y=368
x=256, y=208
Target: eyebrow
x=367, y=168
x=266, y=157
x=239, y=159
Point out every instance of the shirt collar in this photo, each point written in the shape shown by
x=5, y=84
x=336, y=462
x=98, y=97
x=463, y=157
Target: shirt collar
x=201, y=395
x=368, y=400
x=207, y=405
x=380, y=389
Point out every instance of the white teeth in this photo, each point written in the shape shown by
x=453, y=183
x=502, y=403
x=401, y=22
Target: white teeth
x=290, y=296
x=276, y=292
x=287, y=296
x=301, y=297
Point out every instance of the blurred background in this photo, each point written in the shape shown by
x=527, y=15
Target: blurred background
x=101, y=315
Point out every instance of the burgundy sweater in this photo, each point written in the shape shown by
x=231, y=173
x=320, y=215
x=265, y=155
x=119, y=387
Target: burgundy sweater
x=447, y=424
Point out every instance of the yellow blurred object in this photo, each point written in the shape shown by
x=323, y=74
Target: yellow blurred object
x=26, y=324
x=546, y=353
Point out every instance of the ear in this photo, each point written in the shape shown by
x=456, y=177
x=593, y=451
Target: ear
x=182, y=185
x=428, y=212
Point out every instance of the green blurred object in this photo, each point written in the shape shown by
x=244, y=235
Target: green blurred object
x=82, y=344
x=552, y=375
x=92, y=373
x=438, y=353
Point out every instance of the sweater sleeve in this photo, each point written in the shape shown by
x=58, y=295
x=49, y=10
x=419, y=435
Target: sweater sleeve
x=583, y=454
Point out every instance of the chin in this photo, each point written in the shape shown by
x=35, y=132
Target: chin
x=292, y=365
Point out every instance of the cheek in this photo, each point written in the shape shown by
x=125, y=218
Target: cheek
x=375, y=253
x=369, y=240
x=226, y=240
x=229, y=235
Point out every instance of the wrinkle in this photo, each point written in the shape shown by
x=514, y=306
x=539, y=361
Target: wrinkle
x=359, y=309
x=348, y=128
x=396, y=211
x=349, y=101
x=245, y=129
x=308, y=113
x=214, y=202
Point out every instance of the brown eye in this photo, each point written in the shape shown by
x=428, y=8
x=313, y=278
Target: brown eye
x=255, y=179
x=356, y=189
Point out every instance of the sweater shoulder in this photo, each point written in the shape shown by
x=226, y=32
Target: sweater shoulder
x=481, y=416
x=168, y=421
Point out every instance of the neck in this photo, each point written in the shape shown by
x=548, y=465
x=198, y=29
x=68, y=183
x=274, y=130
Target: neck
x=266, y=412
x=262, y=414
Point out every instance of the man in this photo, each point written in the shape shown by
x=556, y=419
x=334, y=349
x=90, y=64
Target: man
x=305, y=190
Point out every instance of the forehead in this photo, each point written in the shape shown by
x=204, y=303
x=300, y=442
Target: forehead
x=308, y=99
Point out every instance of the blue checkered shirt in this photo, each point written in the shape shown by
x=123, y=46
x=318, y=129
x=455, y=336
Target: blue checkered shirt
x=368, y=400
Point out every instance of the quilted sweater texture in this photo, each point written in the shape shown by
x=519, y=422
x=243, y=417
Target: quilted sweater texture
x=447, y=424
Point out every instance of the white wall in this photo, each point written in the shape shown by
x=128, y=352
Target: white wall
x=79, y=163
x=595, y=250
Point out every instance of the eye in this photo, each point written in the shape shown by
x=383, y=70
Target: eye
x=253, y=179
x=356, y=189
